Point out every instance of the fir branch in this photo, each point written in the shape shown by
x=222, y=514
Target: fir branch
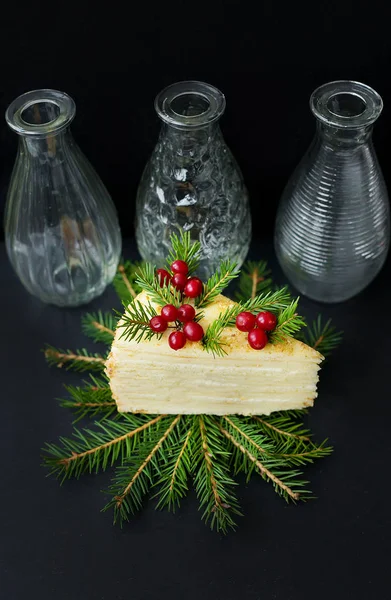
x=212, y=481
x=280, y=427
x=217, y=283
x=100, y=327
x=124, y=281
x=288, y=323
x=270, y=301
x=175, y=473
x=90, y=451
x=280, y=486
x=254, y=280
x=93, y=398
x=132, y=480
x=147, y=280
x=135, y=322
x=184, y=249
x=80, y=360
x=323, y=338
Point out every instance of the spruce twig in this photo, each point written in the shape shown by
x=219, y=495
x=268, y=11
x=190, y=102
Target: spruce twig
x=323, y=338
x=217, y=283
x=133, y=479
x=99, y=326
x=79, y=360
x=184, y=249
x=135, y=322
x=91, y=399
x=125, y=281
x=175, y=473
x=254, y=280
x=147, y=280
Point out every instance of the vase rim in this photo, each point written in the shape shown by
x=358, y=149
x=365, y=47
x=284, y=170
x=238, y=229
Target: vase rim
x=346, y=104
x=39, y=113
x=190, y=104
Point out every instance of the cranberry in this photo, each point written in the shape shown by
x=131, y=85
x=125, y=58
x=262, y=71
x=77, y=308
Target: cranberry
x=193, y=331
x=186, y=312
x=158, y=324
x=193, y=287
x=179, y=266
x=245, y=321
x=266, y=321
x=176, y=340
x=179, y=280
x=163, y=276
x=169, y=313
x=257, y=339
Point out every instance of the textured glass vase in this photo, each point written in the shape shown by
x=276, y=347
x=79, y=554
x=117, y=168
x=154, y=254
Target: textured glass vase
x=61, y=227
x=192, y=182
x=333, y=229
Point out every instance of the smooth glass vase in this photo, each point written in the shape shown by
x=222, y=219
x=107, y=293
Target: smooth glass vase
x=333, y=225
x=61, y=227
x=192, y=182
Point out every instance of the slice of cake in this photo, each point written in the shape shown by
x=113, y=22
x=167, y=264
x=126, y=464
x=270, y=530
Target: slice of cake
x=148, y=376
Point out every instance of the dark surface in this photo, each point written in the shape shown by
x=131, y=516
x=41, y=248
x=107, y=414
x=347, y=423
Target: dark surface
x=266, y=56
x=56, y=544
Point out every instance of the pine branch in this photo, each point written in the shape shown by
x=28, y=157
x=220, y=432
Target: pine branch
x=91, y=399
x=288, y=323
x=80, y=360
x=217, y=283
x=254, y=280
x=270, y=301
x=89, y=450
x=282, y=488
x=100, y=327
x=135, y=322
x=184, y=249
x=132, y=480
x=176, y=471
x=323, y=338
x=147, y=280
x=212, y=481
x=125, y=281
x=279, y=426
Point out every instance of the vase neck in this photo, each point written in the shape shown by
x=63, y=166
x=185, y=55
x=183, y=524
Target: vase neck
x=46, y=148
x=345, y=111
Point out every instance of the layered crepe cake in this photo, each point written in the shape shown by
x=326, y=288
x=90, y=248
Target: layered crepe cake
x=149, y=377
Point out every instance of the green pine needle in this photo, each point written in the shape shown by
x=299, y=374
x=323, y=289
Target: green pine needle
x=135, y=322
x=78, y=360
x=147, y=280
x=125, y=281
x=183, y=248
x=289, y=323
x=254, y=280
x=94, y=398
x=100, y=327
x=324, y=338
x=213, y=484
x=217, y=283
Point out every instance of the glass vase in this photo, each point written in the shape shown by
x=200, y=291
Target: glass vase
x=61, y=227
x=333, y=227
x=192, y=182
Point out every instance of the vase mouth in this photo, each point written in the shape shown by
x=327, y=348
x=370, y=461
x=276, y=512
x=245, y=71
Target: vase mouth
x=190, y=104
x=346, y=104
x=40, y=113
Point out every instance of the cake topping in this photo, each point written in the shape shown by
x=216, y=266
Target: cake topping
x=194, y=287
x=245, y=321
x=176, y=340
x=180, y=266
x=186, y=312
x=266, y=321
x=164, y=277
x=170, y=313
x=257, y=339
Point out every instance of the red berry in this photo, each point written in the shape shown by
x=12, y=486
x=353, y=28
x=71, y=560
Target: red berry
x=163, y=276
x=179, y=280
x=158, y=324
x=169, y=313
x=194, y=287
x=179, y=266
x=186, y=312
x=245, y=321
x=176, y=340
x=193, y=331
x=257, y=339
x=266, y=321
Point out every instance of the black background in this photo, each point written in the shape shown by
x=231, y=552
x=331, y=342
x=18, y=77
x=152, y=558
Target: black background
x=266, y=57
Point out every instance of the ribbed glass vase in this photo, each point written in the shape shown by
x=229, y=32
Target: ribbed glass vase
x=333, y=226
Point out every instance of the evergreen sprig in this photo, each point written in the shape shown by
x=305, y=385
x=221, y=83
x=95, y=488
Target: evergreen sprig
x=135, y=322
x=254, y=280
x=93, y=450
x=91, y=399
x=147, y=280
x=217, y=283
x=125, y=281
x=78, y=360
x=322, y=337
x=288, y=323
x=99, y=326
x=184, y=249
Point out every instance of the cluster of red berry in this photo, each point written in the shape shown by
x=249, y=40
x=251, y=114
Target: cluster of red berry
x=191, y=286
x=256, y=326
x=186, y=328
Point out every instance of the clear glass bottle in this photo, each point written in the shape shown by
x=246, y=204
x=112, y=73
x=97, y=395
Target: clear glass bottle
x=192, y=182
x=333, y=226
x=61, y=227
